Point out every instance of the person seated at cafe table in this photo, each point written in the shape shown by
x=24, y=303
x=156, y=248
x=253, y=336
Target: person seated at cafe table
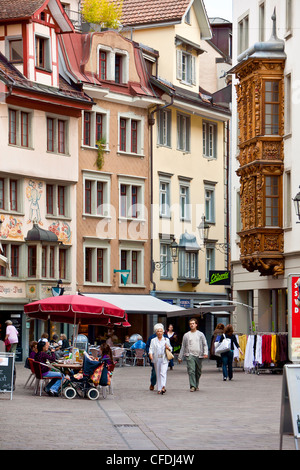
x=106, y=354
x=42, y=356
x=139, y=344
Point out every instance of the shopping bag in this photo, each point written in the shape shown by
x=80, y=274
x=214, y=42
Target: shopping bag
x=97, y=374
x=223, y=347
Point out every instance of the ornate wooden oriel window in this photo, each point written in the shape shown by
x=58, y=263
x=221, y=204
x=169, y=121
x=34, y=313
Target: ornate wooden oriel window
x=260, y=97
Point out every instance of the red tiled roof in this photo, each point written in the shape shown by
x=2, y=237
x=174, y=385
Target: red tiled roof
x=138, y=12
x=10, y=9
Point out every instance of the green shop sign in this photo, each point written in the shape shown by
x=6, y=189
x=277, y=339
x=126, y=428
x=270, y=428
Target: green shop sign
x=221, y=278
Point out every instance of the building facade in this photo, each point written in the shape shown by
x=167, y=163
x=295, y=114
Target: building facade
x=265, y=248
x=39, y=164
x=189, y=152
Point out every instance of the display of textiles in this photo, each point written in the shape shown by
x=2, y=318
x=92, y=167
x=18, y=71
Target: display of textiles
x=266, y=351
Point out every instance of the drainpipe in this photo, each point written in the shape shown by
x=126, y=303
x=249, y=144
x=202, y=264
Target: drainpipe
x=151, y=122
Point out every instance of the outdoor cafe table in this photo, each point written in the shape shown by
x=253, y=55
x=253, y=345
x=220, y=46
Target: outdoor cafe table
x=68, y=365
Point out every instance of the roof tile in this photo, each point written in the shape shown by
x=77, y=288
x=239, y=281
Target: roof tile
x=137, y=12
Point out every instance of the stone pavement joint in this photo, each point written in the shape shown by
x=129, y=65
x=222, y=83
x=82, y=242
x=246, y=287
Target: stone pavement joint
x=243, y=414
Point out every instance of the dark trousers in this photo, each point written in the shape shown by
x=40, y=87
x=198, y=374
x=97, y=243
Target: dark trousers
x=227, y=359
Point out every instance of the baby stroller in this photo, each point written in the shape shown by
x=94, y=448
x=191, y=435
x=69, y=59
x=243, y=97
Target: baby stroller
x=85, y=384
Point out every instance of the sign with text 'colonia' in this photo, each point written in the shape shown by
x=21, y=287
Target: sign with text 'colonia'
x=219, y=278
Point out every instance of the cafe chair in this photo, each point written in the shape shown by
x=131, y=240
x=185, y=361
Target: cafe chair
x=31, y=377
x=139, y=355
x=40, y=380
x=118, y=356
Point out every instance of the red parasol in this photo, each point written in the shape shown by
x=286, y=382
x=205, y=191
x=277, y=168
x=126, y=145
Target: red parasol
x=75, y=309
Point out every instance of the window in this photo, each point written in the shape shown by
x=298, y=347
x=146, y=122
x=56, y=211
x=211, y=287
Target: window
x=261, y=22
x=96, y=264
x=165, y=259
x=210, y=204
x=95, y=127
x=102, y=65
x=271, y=107
x=289, y=16
x=4, y=253
x=288, y=200
x=2, y=196
x=131, y=199
x=288, y=104
x=44, y=261
x=19, y=124
x=131, y=260
x=57, y=135
x=123, y=135
x=186, y=68
x=164, y=128
x=96, y=194
x=164, y=198
x=87, y=129
x=272, y=201
x=243, y=34
x=183, y=132
x=11, y=194
x=57, y=200
x=42, y=53
x=209, y=261
x=134, y=136
x=51, y=261
x=32, y=261
x=131, y=134
x=14, y=260
x=12, y=135
x=209, y=131
x=118, y=68
x=62, y=263
x=184, y=201
x=113, y=64
x=61, y=200
x=188, y=265
x=16, y=50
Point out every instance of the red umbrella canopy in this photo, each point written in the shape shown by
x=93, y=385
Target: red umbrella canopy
x=75, y=309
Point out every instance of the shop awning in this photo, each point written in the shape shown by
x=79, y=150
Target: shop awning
x=144, y=304
x=203, y=309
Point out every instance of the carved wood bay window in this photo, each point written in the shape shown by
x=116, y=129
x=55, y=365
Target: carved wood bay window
x=260, y=99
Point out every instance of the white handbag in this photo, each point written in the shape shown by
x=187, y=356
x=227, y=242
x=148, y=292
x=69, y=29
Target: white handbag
x=223, y=347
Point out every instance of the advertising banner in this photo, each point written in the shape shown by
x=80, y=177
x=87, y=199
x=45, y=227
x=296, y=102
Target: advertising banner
x=294, y=317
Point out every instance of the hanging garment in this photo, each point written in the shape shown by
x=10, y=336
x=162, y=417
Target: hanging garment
x=236, y=352
x=258, y=350
x=266, y=349
x=249, y=356
x=273, y=348
x=243, y=343
x=283, y=348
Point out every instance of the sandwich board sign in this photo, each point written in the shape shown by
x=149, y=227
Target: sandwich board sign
x=7, y=363
x=290, y=403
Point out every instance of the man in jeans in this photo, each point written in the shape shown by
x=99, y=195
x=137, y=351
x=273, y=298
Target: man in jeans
x=194, y=348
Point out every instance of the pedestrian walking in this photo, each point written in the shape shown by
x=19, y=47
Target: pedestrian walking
x=194, y=348
x=153, y=373
x=170, y=333
x=227, y=357
x=157, y=355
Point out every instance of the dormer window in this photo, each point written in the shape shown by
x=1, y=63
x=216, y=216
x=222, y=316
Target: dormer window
x=42, y=53
x=102, y=65
x=16, y=50
x=113, y=64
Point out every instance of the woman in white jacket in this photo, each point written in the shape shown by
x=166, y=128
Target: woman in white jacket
x=157, y=355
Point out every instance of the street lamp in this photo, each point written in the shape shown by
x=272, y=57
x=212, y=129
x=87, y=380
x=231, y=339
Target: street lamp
x=203, y=229
x=297, y=206
x=159, y=265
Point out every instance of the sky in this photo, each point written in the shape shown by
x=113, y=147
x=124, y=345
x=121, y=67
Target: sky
x=221, y=8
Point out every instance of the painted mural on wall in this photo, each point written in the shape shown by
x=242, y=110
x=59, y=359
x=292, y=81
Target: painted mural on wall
x=13, y=227
x=34, y=192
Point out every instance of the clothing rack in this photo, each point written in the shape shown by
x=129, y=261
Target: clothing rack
x=271, y=367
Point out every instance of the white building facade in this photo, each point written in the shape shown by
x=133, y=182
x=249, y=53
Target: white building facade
x=267, y=41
